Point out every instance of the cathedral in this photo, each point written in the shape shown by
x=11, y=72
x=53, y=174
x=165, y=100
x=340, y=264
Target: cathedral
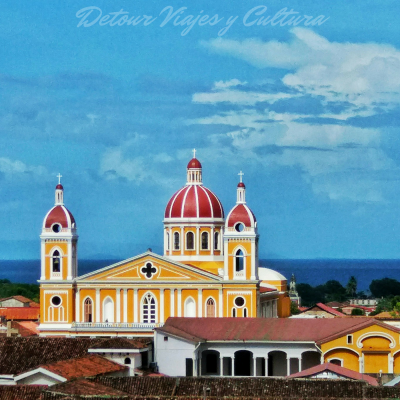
x=209, y=269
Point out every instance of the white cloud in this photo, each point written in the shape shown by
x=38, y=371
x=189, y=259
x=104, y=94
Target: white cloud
x=14, y=167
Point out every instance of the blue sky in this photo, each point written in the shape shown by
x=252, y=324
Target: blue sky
x=309, y=113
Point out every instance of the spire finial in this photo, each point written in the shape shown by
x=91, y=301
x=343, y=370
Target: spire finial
x=59, y=176
x=194, y=153
x=241, y=176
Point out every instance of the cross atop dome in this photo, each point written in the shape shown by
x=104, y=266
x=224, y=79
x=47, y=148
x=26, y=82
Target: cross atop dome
x=241, y=190
x=59, y=176
x=194, y=153
x=241, y=176
x=194, y=171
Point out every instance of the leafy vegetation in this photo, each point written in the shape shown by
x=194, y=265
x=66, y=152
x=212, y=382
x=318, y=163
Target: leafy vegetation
x=8, y=289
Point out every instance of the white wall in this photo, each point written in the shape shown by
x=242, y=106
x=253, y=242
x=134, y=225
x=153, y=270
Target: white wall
x=171, y=355
x=38, y=379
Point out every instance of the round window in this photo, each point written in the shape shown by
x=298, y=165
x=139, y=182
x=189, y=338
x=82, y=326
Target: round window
x=56, y=228
x=239, y=302
x=56, y=301
x=239, y=227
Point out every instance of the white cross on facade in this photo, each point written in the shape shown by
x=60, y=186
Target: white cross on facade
x=194, y=153
x=59, y=176
x=241, y=175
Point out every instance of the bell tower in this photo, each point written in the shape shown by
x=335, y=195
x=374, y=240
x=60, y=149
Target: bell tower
x=59, y=265
x=241, y=239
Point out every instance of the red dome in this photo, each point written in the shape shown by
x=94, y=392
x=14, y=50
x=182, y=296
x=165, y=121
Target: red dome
x=59, y=186
x=241, y=184
x=194, y=163
x=241, y=213
x=194, y=201
x=61, y=215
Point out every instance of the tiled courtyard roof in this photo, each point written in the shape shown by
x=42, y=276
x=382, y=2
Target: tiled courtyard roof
x=338, y=370
x=265, y=329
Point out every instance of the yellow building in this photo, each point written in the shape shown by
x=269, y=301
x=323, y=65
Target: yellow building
x=209, y=269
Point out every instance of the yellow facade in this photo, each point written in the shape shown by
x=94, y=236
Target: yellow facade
x=373, y=349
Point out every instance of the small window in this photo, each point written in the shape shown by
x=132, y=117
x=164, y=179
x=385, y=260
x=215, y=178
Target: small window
x=239, y=227
x=349, y=339
x=56, y=228
x=336, y=361
x=88, y=310
x=56, y=261
x=127, y=361
x=176, y=241
x=239, y=301
x=216, y=241
x=190, y=241
x=189, y=367
x=245, y=312
x=165, y=338
x=210, y=308
x=239, y=261
x=234, y=312
x=56, y=301
x=204, y=241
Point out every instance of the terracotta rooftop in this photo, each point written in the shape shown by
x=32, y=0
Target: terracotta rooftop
x=90, y=365
x=266, y=329
x=19, y=354
x=26, y=328
x=266, y=290
x=121, y=343
x=19, y=392
x=327, y=309
x=341, y=371
x=20, y=313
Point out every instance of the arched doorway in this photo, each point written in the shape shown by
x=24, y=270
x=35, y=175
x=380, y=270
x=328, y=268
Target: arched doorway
x=190, y=308
x=210, y=362
x=243, y=363
x=277, y=363
x=108, y=310
x=310, y=359
x=88, y=310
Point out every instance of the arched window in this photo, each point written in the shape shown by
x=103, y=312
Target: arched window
x=239, y=261
x=190, y=241
x=190, y=308
x=176, y=241
x=127, y=361
x=216, y=241
x=149, y=309
x=88, y=310
x=204, y=241
x=56, y=261
x=108, y=310
x=210, y=308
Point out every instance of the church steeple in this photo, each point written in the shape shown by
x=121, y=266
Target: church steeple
x=241, y=190
x=59, y=192
x=194, y=171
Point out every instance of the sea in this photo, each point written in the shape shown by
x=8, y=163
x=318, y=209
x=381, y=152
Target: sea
x=313, y=272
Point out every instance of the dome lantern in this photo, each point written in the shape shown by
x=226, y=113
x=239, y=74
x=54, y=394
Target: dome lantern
x=194, y=173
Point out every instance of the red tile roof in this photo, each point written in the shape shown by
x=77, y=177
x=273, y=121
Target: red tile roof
x=327, y=309
x=26, y=328
x=20, y=313
x=266, y=329
x=19, y=392
x=341, y=371
x=122, y=343
x=91, y=365
x=265, y=289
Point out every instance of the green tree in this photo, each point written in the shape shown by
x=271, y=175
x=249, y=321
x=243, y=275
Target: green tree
x=385, y=287
x=294, y=308
x=334, y=291
x=357, y=311
x=309, y=295
x=351, y=287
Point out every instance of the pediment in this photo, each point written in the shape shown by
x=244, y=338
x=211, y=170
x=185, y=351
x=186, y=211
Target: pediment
x=148, y=267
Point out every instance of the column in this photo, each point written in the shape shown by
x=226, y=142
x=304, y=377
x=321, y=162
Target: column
x=254, y=366
x=97, y=304
x=135, y=306
x=179, y=302
x=197, y=240
x=77, y=304
x=118, y=298
x=171, y=241
x=226, y=259
x=125, y=305
x=287, y=366
x=200, y=305
x=182, y=244
x=360, y=365
x=172, y=294
x=195, y=361
x=233, y=366
x=391, y=362
x=161, y=305
x=221, y=365
x=221, y=305
x=266, y=365
x=212, y=241
x=253, y=260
